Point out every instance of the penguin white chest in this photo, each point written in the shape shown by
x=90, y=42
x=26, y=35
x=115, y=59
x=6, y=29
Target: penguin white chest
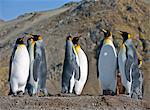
x=122, y=62
x=107, y=64
x=20, y=64
x=83, y=63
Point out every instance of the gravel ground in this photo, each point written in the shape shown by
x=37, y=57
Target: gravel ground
x=70, y=102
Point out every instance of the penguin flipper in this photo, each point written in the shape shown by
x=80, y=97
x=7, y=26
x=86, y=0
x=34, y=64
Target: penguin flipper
x=10, y=63
x=43, y=72
x=128, y=67
x=77, y=73
x=76, y=67
x=98, y=64
x=36, y=67
x=98, y=53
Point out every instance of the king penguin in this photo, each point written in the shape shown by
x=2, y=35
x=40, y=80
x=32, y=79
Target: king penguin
x=38, y=66
x=19, y=67
x=128, y=67
x=31, y=84
x=70, y=68
x=107, y=64
x=83, y=64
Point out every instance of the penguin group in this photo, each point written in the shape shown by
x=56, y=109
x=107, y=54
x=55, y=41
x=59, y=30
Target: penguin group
x=75, y=69
x=28, y=68
x=127, y=62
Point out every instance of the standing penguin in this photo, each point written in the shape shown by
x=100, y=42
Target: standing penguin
x=38, y=66
x=83, y=64
x=141, y=86
x=31, y=84
x=128, y=66
x=70, y=68
x=107, y=64
x=19, y=67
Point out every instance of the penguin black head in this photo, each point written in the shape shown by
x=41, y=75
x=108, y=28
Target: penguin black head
x=107, y=33
x=125, y=35
x=75, y=40
x=34, y=37
x=37, y=37
x=20, y=41
x=30, y=39
x=69, y=37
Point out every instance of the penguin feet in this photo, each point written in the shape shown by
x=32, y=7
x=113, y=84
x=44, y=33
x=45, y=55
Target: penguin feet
x=42, y=93
x=108, y=92
x=64, y=92
x=14, y=94
x=20, y=93
x=10, y=93
x=128, y=95
x=136, y=96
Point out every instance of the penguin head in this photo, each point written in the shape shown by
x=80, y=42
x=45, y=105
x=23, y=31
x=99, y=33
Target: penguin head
x=75, y=40
x=125, y=35
x=20, y=40
x=34, y=37
x=69, y=37
x=37, y=37
x=77, y=47
x=107, y=33
x=30, y=41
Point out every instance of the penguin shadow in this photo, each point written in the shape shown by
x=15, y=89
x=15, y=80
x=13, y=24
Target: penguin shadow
x=66, y=95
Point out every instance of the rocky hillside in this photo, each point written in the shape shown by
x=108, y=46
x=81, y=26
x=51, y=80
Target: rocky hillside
x=2, y=21
x=86, y=18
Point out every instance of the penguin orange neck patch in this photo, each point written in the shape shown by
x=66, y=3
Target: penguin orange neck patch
x=122, y=46
x=129, y=36
x=33, y=43
x=40, y=38
x=77, y=48
x=107, y=41
x=21, y=45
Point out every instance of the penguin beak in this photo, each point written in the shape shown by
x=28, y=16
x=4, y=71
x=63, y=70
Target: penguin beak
x=69, y=37
x=75, y=40
x=120, y=32
x=28, y=35
x=77, y=35
x=104, y=30
x=21, y=39
x=40, y=37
